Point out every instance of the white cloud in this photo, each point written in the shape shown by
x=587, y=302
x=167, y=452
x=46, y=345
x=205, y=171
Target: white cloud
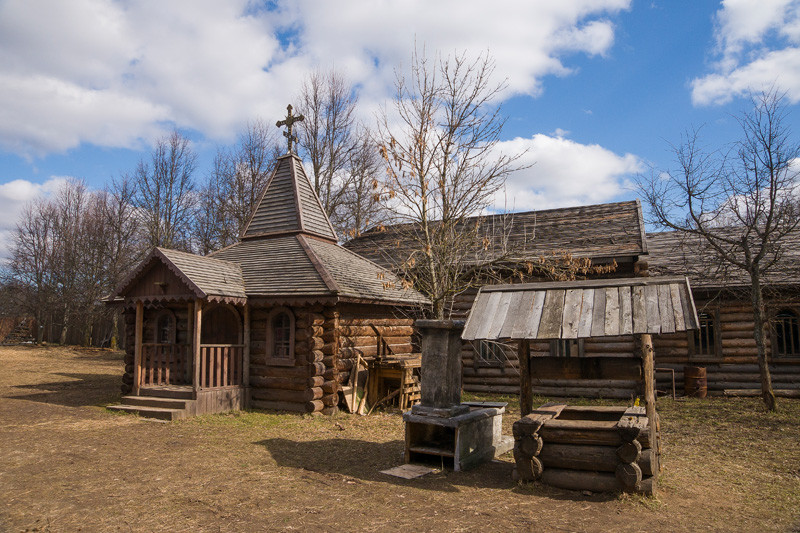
x=563, y=173
x=14, y=196
x=757, y=47
x=116, y=73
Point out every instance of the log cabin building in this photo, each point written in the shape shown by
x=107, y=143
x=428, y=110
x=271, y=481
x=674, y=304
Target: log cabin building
x=615, y=232
x=609, y=235
x=724, y=344
x=273, y=321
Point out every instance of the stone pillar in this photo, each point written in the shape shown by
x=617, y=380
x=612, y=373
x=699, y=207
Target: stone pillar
x=441, y=367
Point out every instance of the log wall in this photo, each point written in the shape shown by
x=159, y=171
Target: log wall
x=309, y=385
x=733, y=369
x=357, y=337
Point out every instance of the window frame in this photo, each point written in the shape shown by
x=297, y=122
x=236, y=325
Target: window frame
x=173, y=326
x=694, y=337
x=271, y=357
x=558, y=347
x=484, y=359
x=795, y=317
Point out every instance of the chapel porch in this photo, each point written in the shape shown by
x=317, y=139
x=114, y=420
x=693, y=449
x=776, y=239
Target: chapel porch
x=190, y=340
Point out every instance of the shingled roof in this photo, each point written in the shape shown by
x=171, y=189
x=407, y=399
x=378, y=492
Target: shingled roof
x=289, y=204
x=205, y=277
x=674, y=253
x=603, y=231
x=304, y=266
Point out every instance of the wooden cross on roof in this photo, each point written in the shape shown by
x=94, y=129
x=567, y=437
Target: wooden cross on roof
x=288, y=122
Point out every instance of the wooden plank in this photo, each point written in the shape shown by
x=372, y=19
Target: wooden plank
x=572, y=312
x=625, y=311
x=246, y=355
x=550, y=326
x=198, y=324
x=599, y=313
x=585, y=320
x=485, y=319
x=639, y=308
x=137, y=353
x=611, y=326
x=499, y=317
x=525, y=310
x=477, y=311
x=584, y=284
x=653, y=315
x=677, y=308
x=665, y=309
x=534, y=319
x=687, y=306
x=512, y=315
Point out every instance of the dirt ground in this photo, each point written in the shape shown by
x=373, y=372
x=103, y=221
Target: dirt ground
x=68, y=464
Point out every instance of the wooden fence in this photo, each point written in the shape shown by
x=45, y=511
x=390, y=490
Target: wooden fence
x=166, y=364
x=220, y=365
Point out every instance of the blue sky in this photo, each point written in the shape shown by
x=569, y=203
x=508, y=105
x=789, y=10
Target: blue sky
x=596, y=88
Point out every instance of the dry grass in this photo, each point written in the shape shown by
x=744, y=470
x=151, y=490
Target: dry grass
x=67, y=464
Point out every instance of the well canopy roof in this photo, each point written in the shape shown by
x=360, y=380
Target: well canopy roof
x=581, y=309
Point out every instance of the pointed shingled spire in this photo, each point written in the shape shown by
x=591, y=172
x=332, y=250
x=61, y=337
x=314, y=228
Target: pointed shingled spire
x=289, y=205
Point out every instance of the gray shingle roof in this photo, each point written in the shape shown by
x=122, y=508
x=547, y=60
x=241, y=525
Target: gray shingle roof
x=674, y=253
x=359, y=278
x=206, y=276
x=289, y=204
x=296, y=265
x=595, y=231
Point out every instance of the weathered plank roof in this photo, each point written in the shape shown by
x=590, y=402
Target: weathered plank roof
x=289, y=205
x=675, y=254
x=612, y=230
x=300, y=265
x=581, y=309
x=204, y=276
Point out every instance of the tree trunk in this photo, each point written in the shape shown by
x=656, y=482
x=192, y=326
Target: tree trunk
x=758, y=334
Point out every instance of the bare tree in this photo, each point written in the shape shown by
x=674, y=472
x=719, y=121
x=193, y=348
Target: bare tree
x=327, y=135
x=31, y=264
x=361, y=207
x=440, y=148
x=164, y=192
x=738, y=206
x=234, y=187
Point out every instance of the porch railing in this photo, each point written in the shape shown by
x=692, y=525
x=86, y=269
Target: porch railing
x=220, y=365
x=165, y=364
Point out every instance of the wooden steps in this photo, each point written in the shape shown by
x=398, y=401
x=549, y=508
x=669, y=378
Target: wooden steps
x=162, y=403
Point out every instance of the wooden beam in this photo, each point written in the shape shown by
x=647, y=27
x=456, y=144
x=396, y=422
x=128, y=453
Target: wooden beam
x=137, y=353
x=648, y=368
x=246, y=356
x=525, y=392
x=198, y=324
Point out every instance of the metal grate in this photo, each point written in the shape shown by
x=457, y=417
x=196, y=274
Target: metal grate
x=705, y=337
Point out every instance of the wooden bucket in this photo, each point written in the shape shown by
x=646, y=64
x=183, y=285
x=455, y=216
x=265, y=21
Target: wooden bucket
x=695, y=384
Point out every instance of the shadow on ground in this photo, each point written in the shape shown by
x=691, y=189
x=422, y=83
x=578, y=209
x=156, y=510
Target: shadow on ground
x=350, y=459
x=79, y=391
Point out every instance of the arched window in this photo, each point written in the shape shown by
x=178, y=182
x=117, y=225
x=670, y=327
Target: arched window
x=787, y=336
x=705, y=338
x=280, y=337
x=221, y=325
x=165, y=327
